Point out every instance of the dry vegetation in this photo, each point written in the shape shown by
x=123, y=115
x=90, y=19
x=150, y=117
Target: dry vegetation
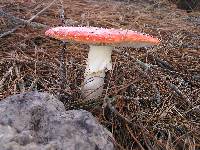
x=155, y=92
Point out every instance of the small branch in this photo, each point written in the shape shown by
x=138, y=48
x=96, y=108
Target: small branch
x=62, y=52
x=154, y=86
x=144, y=66
x=147, y=142
x=5, y=77
x=21, y=22
x=20, y=79
x=134, y=138
x=178, y=92
x=163, y=64
x=62, y=69
x=62, y=13
x=157, y=93
x=49, y=5
x=33, y=84
x=9, y=32
x=107, y=103
x=29, y=60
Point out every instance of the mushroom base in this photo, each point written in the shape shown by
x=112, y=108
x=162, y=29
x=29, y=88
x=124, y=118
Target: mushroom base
x=93, y=85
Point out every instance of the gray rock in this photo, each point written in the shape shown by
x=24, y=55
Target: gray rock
x=38, y=121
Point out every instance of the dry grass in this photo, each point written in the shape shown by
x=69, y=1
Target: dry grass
x=158, y=106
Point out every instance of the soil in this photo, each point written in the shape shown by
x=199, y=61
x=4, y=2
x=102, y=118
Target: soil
x=156, y=91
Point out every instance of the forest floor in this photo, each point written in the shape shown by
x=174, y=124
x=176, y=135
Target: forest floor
x=156, y=91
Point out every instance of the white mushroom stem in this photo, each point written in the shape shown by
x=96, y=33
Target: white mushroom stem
x=99, y=60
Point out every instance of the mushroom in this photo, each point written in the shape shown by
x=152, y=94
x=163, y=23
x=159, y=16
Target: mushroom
x=101, y=42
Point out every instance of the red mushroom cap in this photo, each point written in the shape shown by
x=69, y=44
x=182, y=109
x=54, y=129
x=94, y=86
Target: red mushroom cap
x=102, y=36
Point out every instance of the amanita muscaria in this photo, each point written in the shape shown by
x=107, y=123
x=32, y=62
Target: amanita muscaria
x=101, y=42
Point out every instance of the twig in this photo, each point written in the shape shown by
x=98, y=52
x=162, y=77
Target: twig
x=19, y=21
x=157, y=93
x=154, y=86
x=107, y=102
x=9, y=32
x=147, y=142
x=163, y=64
x=62, y=71
x=49, y=5
x=62, y=13
x=193, y=108
x=168, y=68
x=151, y=136
x=134, y=138
x=29, y=60
x=22, y=22
x=177, y=91
x=196, y=78
x=33, y=84
x=145, y=66
x=20, y=81
x=5, y=76
x=169, y=141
